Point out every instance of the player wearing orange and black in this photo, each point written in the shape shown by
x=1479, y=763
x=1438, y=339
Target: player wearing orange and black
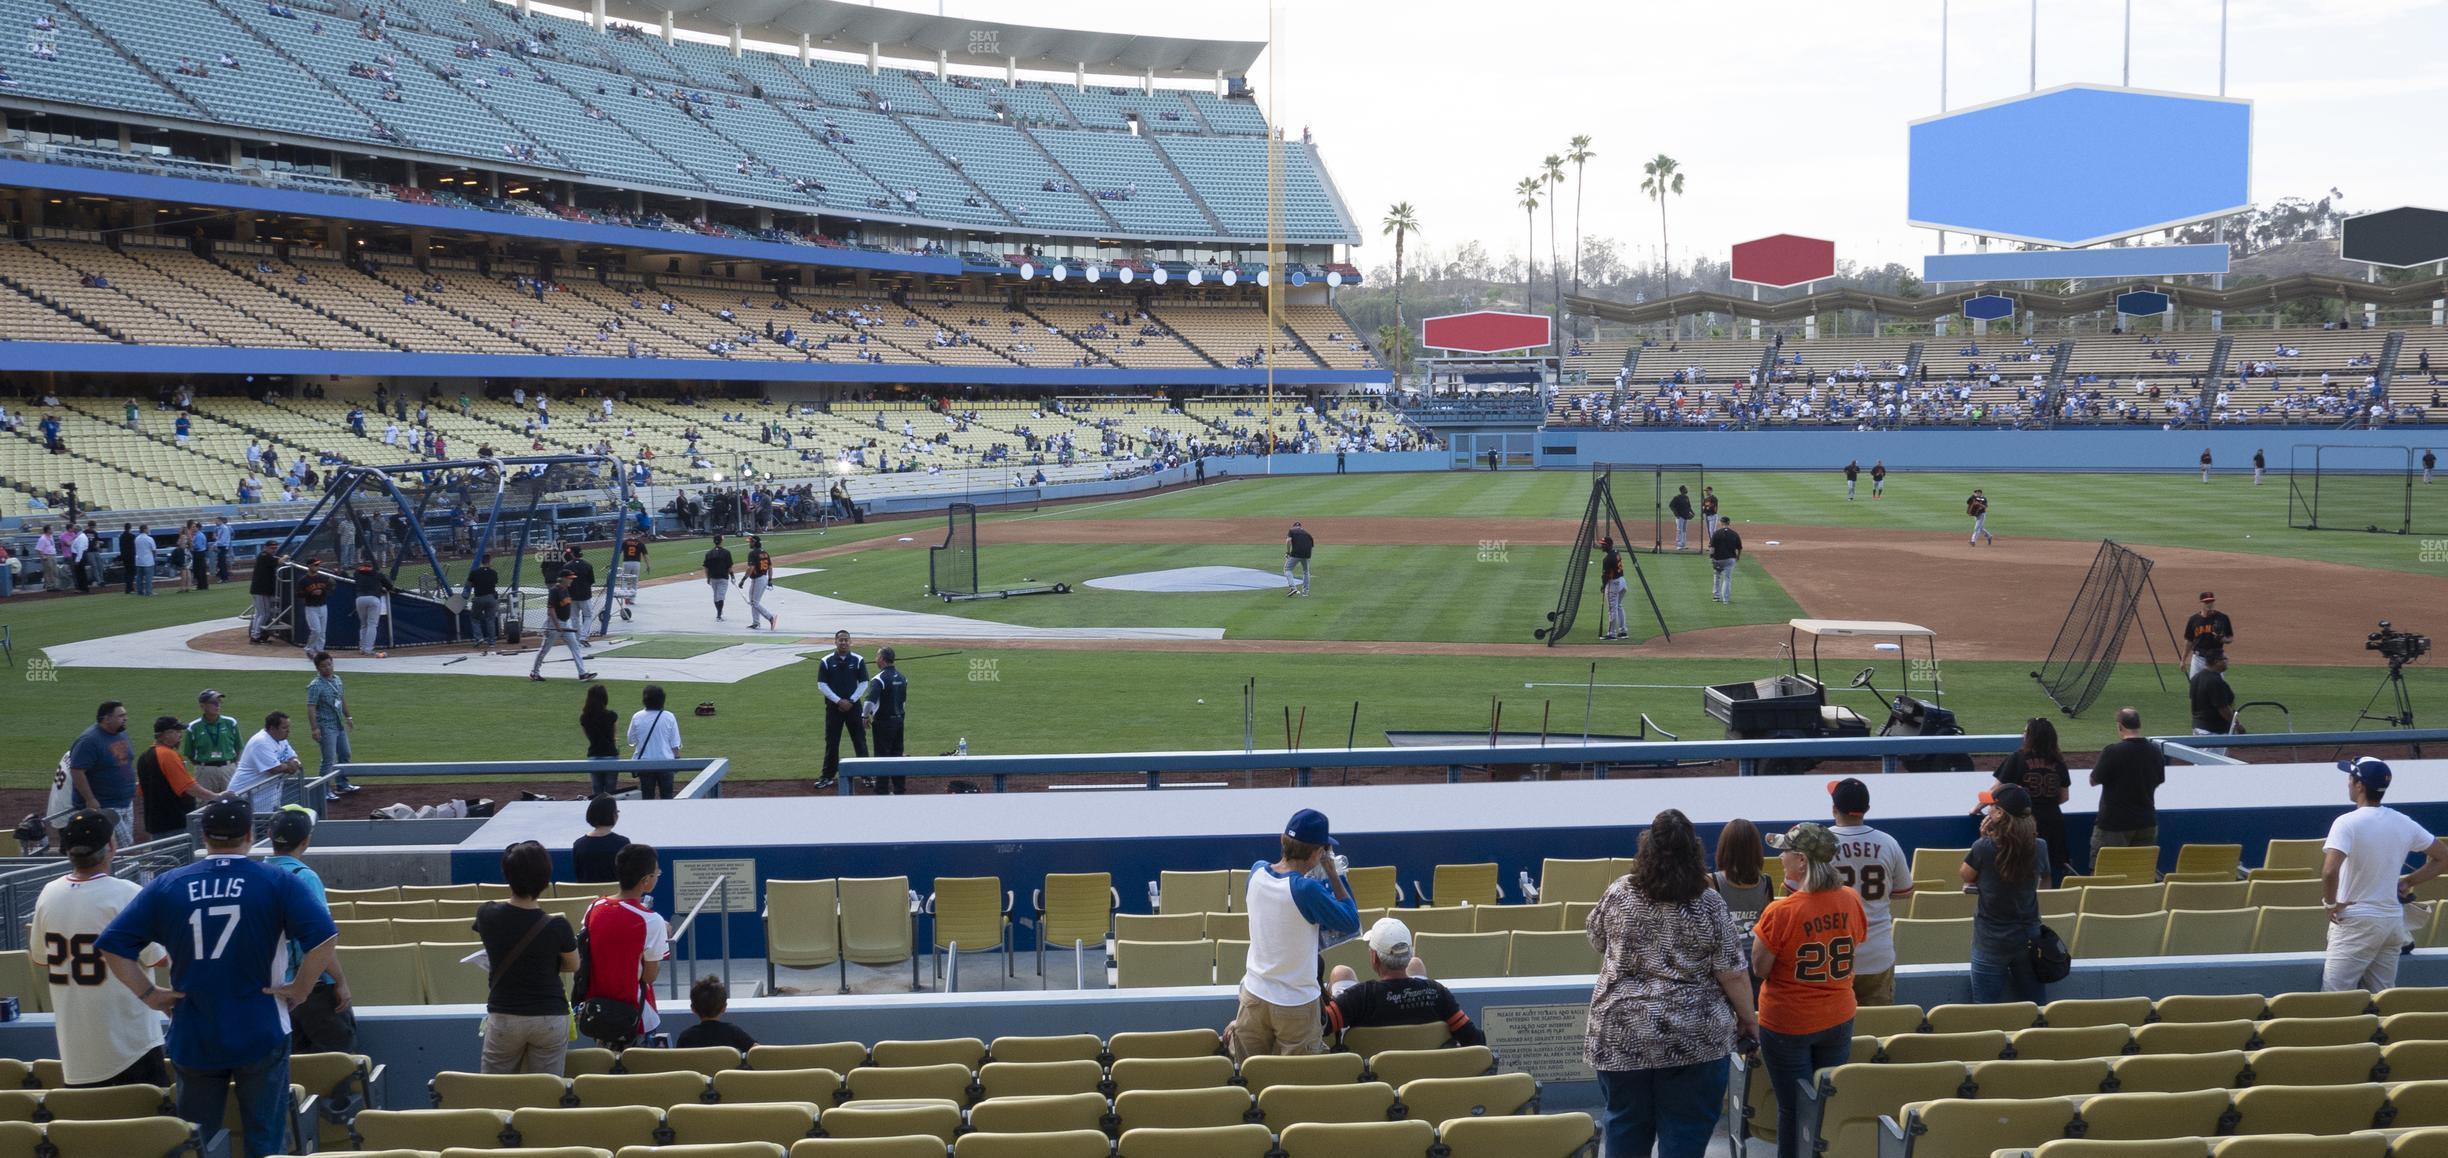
x=759, y=578
x=718, y=575
x=1878, y=479
x=1708, y=510
x=2207, y=633
x=1977, y=506
x=560, y=626
x=1852, y=478
x=632, y=567
x=1611, y=581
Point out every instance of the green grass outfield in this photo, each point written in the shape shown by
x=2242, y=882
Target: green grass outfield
x=1446, y=594
x=1016, y=700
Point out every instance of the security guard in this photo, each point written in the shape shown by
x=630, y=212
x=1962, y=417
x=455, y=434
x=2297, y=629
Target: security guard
x=887, y=705
x=842, y=677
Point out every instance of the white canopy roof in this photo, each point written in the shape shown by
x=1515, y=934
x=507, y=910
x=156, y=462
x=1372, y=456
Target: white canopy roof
x=917, y=36
x=1837, y=628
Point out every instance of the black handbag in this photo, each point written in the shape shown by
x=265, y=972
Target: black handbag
x=601, y=1018
x=2051, y=960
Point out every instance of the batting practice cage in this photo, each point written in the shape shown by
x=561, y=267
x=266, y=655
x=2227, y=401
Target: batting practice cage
x=423, y=524
x=1658, y=483
x=954, y=567
x=2356, y=488
x=2093, y=634
x=1600, y=519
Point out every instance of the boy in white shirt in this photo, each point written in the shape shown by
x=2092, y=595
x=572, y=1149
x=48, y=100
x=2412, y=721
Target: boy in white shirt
x=1296, y=904
x=1874, y=865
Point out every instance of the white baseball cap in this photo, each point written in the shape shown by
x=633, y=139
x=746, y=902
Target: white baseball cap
x=1390, y=938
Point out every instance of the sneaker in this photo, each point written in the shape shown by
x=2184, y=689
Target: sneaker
x=536, y=676
x=586, y=677
x=827, y=784
x=351, y=789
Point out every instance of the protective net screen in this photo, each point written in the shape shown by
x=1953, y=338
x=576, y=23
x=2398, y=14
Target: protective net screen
x=952, y=569
x=2352, y=488
x=2093, y=634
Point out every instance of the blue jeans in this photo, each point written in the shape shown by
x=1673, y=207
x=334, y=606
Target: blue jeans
x=2002, y=977
x=601, y=783
x=144, y=580
x=263, y=1102
x=1792, y=1061
x=333, y=738
x=1672, y=1111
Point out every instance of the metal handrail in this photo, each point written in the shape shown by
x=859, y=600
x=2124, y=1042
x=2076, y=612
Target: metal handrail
x=687, y=928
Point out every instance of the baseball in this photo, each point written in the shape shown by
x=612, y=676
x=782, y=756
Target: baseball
x=1202, y=701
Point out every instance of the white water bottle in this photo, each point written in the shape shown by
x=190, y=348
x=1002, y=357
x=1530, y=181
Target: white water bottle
x=963, y=750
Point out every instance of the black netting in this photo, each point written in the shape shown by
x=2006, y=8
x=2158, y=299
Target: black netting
x=952, y=569
x=2093, y=634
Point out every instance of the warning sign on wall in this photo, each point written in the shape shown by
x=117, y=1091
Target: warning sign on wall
x=1544, y=1041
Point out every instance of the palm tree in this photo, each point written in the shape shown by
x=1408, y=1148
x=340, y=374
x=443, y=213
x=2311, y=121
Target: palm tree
x=1527, y=189
x=1395, y=345
x=1400, y=220
x=1579, y=155
x=1665, y=175
x=1551, y=169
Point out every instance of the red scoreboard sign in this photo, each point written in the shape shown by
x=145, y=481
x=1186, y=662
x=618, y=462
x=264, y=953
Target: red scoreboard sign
x=1487, y=331
x=1784, y=260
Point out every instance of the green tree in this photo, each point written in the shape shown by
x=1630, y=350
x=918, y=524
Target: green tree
x=1580, y=155
x=1551, y=170
x=1395, y=347
x=1401, y=221
x=1664, y=176
x=1527, y=189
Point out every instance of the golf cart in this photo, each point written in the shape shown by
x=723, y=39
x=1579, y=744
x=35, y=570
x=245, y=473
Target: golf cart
x=1795, y=705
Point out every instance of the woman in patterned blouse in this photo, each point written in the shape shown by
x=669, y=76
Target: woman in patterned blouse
x=1672, y=1002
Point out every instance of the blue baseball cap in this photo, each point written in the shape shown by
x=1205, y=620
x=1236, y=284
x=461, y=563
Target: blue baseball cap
x=2371, y=770
x=1308, y=826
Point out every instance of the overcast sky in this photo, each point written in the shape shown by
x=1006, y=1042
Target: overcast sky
x=1788, y=116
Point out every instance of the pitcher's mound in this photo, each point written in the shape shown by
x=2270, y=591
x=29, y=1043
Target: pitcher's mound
x=1182, y=579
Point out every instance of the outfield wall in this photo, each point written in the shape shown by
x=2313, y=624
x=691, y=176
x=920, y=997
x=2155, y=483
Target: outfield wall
x=2078, y=448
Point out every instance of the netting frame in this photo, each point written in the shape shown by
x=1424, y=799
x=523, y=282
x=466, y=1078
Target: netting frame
x=2308, y=481
x=954, y=560
x=2092, y=638
x=1599, y=518
x=1660, y=473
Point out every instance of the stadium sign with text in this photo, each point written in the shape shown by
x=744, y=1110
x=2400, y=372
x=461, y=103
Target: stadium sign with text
x=2397, y=238
x=2080, y=164
x=1783, y=261
x=1487, y=331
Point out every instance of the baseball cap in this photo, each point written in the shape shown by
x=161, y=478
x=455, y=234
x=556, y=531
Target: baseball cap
x=228, y=818
x=292, y=824
x=1849, y=795
x=2207, y=597
x=2012, y=799
x=1308, y=826
x=208, y=696
x=167, y=723
x=1390, y=938
x=87, y=831
x=2371, y=770
x=1811, y=840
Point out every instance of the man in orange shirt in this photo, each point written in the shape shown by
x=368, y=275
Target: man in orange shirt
x=1802, y=950
x=169, y=792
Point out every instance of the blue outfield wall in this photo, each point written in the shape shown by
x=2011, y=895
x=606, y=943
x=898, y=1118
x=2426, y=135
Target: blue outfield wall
x=2078, y=448
x=113, y=358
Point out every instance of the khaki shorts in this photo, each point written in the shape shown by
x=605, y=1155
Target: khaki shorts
x=213, y=776
x=1874, y=988
x=1261, y=1027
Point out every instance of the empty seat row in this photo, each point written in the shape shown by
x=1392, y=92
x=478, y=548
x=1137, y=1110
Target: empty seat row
x=2180, y=932
x=1883, y=1020
x=933, y=1131
x=2393, y=1143
x=1953, y=1126
x=949, y=1081
x=1843, y=1104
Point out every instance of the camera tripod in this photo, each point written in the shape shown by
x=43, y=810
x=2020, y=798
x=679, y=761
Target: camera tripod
x=2404, y=715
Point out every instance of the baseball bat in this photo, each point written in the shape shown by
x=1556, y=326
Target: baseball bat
x=1495, y=719
x=1287, y=726
x=1302, y=729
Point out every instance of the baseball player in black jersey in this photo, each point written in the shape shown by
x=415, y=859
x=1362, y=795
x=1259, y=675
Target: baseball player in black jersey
x=1681, y=508
x=632, y=570
x=1298, y=544
x=1977, y=506
x=1611, y=581
x=1878, y=479
x=1852, y=478
x=759, y=579
x=718, y=575
x=2207, y=633
x=2260, y=464
x=842, y=677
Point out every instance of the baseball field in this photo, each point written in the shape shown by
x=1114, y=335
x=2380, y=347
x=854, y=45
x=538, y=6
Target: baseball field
x=1426, y=588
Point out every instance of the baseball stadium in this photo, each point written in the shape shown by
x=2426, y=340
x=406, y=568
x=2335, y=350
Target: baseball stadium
x=822, y=501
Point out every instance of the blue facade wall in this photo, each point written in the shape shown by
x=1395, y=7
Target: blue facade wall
x=2111, y=448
